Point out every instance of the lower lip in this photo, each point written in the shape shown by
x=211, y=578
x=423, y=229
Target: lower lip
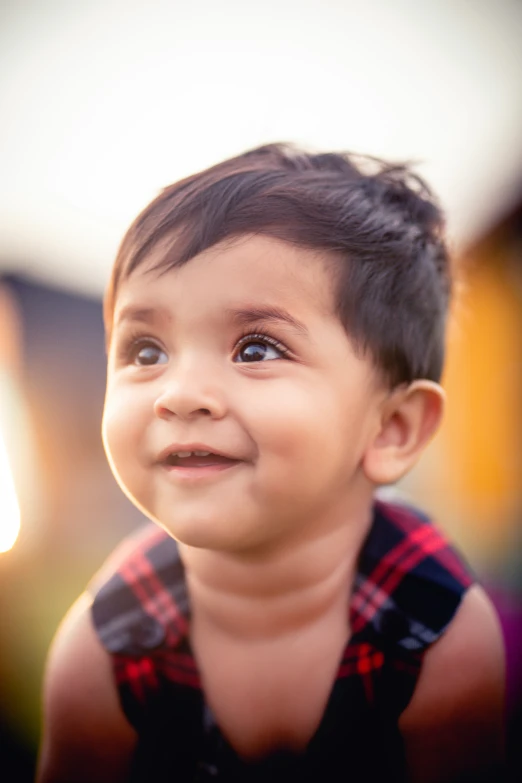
x=198, y=474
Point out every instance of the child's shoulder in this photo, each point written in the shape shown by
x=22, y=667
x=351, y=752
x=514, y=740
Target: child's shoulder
x=411, y=541
x=140, y=600
x=410, y=579
x=454, y=720
x=86, y=736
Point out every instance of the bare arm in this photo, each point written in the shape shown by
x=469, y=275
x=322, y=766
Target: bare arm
x=86, y=737
x=454, y=726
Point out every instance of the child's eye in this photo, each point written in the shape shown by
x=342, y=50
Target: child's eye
x=259, y=348
x=145, y=354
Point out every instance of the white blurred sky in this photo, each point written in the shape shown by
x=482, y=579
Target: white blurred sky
x=104, y=102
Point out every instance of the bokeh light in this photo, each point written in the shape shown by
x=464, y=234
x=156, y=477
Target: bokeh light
x=106, y=102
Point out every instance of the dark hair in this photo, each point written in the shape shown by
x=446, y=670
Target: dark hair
x=379, y=220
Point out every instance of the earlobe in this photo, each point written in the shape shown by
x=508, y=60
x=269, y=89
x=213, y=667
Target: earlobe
x=410, y=416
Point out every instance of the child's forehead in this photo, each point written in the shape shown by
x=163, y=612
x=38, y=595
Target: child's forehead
x=246, y=269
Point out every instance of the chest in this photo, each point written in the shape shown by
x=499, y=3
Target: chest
x=267, y=696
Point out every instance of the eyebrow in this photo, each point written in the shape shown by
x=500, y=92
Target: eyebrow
x=245, y=316
x=146, y=315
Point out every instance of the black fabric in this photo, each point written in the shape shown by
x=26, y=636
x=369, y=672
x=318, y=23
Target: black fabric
x=408, y=587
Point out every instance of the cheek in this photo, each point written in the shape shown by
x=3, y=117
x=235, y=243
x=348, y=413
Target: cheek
x=304, y=425
x=120, y=424
x=111, y=437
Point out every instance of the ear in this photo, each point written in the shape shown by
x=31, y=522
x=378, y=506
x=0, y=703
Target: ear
x=410, y=416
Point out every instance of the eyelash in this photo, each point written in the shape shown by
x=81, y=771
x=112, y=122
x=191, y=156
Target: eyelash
x=263, y=337
x=135, y=341
x=131, y=346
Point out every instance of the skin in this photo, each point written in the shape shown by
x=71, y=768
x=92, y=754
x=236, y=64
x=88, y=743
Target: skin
x=269, y=544
x=298, y=422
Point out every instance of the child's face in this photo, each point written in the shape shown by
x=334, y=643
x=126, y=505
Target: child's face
x=203, y=358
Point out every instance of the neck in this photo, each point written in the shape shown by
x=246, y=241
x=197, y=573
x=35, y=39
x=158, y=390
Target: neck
x=265, y=596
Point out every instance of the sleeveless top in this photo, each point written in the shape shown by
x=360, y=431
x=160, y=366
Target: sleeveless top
x=408, y=586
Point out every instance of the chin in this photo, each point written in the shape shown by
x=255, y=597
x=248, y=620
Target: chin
x=201, y=534
x=210, y=535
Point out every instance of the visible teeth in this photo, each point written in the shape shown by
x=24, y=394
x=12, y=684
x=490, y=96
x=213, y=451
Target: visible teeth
x=183, y=454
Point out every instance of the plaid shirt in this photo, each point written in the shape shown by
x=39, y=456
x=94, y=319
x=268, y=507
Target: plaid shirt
x=407, y=589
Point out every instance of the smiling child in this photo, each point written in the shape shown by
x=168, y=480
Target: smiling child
x=275, y=330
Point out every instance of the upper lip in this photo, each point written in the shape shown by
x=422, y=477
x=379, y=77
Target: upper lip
x=176, y=447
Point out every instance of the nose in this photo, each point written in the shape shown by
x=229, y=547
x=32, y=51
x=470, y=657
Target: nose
x=188, y=392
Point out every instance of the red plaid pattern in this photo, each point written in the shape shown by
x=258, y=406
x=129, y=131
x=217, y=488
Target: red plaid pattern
x=362, y=660
x=156, y=601
x=142, y=612
x=377, y=588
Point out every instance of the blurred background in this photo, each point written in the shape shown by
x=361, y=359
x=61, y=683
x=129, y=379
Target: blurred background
x=103, y=104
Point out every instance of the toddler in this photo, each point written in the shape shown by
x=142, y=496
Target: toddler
x=275, y=330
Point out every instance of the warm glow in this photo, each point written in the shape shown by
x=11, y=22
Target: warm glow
x=211, y=79
x=9, y=508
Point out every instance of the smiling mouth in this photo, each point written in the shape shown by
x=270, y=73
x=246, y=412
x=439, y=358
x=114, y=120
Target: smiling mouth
x=208, y=460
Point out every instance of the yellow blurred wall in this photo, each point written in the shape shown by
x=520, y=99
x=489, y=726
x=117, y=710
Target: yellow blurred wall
x=479, y=449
